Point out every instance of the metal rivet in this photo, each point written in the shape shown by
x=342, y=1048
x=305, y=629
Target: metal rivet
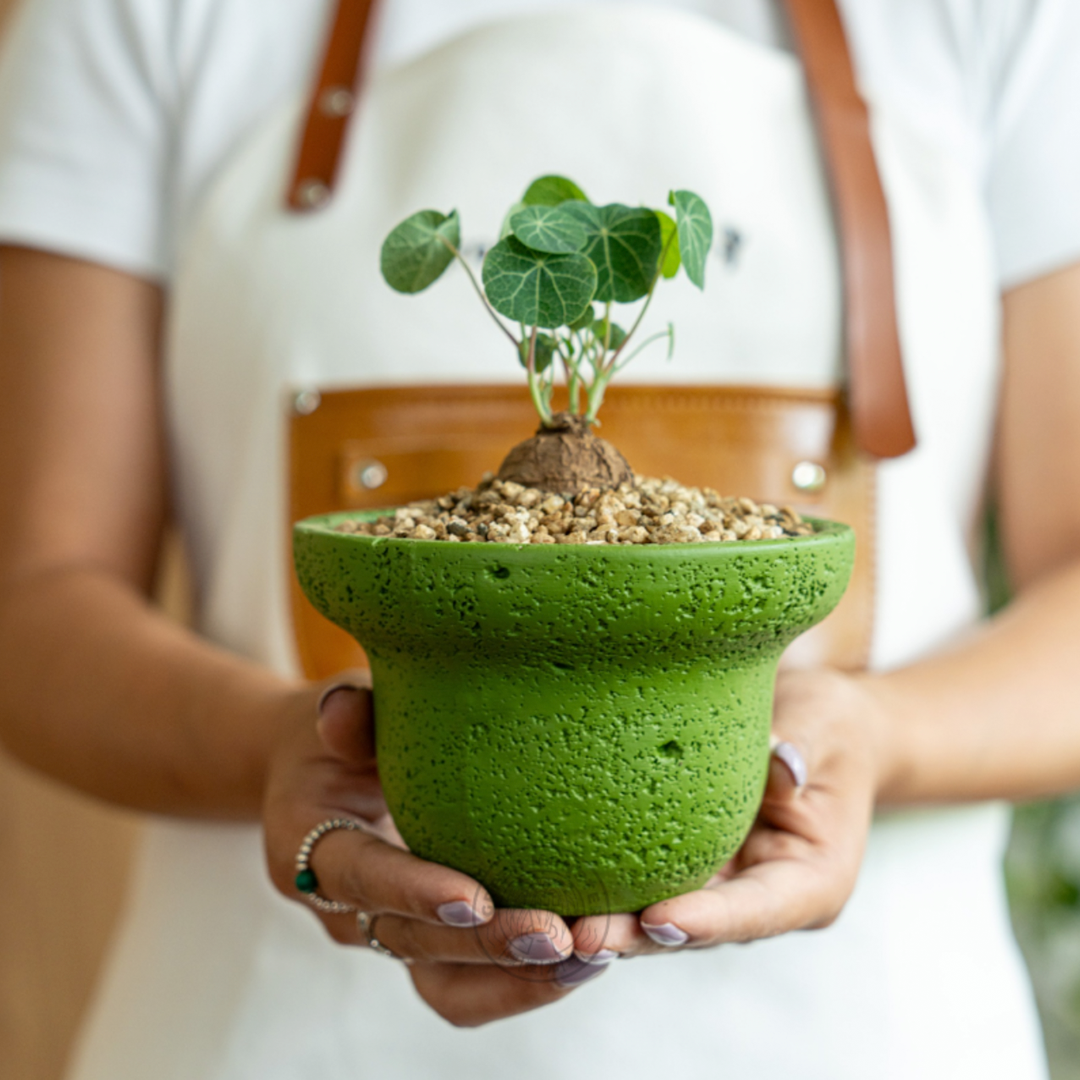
x=305, y=402
x=809, y=476
x=312, y=193
x=336, y=101
x=371, y=474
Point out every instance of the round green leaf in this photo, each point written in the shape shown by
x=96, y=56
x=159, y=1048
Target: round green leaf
x=695, y=233
x=669, y=245
x=584, y=321
x=552, y=190
x=614, y=336
x=624, y=245
x=545, y=352
x=548, y=228
x=417, y=252
x=537, y=288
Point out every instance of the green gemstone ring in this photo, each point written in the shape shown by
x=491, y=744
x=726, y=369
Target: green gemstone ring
x=306, y=881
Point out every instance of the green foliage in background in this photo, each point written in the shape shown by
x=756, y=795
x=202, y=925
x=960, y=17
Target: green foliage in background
x=1042, y=871
x=1043, y=876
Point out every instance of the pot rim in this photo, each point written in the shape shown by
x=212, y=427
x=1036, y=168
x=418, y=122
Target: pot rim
x=825, y=533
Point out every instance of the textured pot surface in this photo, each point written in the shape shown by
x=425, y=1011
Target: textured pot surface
x=581, y=728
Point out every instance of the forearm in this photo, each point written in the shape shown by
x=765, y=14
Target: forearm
x=100, y=691
x=998, y=716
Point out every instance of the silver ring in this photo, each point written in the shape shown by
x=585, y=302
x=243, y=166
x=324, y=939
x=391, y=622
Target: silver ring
x=306, y=881
x=366, y=922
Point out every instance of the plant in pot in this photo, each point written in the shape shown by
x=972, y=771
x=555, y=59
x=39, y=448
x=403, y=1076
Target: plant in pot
x=573, y=667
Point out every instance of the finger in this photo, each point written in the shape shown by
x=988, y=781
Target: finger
x=358, y=868
x=469, y=996
x=345, y=718
x=624, y=940
x=600, y=938
x=511, y=939
x=769, y=899
x=788, y=771
x=383, y=826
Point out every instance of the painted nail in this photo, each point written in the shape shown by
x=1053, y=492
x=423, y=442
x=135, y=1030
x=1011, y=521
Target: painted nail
x=460, y=913
x=668, y=935
x=325, y=695
x=604, y=956
x=535, y=949
x=577, y=970
x=792, y=760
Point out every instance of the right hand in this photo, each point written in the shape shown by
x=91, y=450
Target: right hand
x=471, y=963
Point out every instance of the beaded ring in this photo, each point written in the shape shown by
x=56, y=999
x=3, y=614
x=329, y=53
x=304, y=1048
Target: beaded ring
x=306, y=881
x=365, y=921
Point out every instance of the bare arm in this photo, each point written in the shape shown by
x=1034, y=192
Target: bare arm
x=96, y=688
x=999, y=715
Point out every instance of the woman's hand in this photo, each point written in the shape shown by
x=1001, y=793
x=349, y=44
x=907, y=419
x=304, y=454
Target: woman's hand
x=799, y=864
x=470, y=963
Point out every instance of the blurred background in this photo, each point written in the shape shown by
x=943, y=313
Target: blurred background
x=1043, y=873
x=66, y=862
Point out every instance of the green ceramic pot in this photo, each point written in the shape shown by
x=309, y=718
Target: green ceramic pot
x=584, y=729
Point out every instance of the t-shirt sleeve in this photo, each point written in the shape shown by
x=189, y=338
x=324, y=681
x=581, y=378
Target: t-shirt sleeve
x=84, y=143
x=1033, y=168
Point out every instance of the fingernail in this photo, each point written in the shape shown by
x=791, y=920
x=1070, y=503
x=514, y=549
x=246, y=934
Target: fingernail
x=460, y=913
x=787, y=755
x=668, y=935
x=536, y=949
x=604, y=956
x=577, y=970
x=325, y=695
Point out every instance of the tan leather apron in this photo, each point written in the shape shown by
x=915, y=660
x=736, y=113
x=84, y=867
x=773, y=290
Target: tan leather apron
x=352, y=449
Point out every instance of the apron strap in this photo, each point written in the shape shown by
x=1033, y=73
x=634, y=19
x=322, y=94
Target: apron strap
x=331, y=105
x=877, y=393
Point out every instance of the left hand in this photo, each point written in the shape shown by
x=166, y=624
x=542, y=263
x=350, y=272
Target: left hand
x=800, y=862
x=470, y=963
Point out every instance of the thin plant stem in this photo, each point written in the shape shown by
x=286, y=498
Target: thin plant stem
x=571, y=379
x=480, y=292
x=573, y=382
x=571, y=358
x=596, y=395
x=541, y=406
x=668, y=333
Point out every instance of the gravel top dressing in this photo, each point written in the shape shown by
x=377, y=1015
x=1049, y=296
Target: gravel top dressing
x=642, y=511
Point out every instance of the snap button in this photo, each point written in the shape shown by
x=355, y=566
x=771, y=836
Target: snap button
x=809, y=476
x=371, y=474
x=312, y=193
x=305, y=402
x=336, y=101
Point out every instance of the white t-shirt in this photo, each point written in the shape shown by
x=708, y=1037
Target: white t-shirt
x=115, y=114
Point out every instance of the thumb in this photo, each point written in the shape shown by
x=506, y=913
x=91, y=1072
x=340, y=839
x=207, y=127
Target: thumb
x=346, y=718
x=788, y=774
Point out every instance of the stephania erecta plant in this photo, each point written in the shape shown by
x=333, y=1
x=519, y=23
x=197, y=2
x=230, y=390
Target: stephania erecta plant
x=553, y=285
